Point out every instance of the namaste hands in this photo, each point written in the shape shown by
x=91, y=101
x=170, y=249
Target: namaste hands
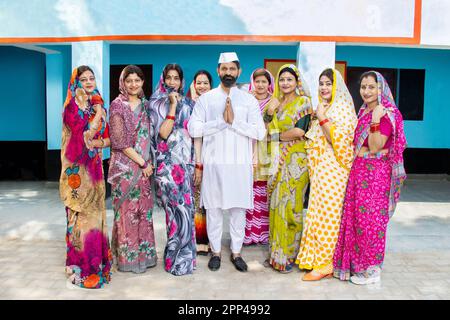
x=228, y=114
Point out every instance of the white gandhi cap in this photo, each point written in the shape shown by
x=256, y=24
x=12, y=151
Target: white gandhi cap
x=228, y=57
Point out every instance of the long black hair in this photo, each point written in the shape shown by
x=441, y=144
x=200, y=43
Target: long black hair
x=327, y=73
x=287, y=69
x=82, y=69
x=130, y=69
x=177, y=68
x=206, y=73
x=173, y=66
x=368, y=74
x=262, y=72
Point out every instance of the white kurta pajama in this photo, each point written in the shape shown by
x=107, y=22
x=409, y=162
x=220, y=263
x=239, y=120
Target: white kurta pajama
x=227, y=181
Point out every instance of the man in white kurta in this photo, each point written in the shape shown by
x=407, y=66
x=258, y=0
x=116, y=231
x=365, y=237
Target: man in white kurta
x=227, y=183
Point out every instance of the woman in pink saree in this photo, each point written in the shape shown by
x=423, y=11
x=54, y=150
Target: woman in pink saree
x=374, y=184
x=262, y=85
x=133, y=240
x=82, y=187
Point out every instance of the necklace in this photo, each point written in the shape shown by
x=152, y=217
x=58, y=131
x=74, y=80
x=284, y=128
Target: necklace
x=267, y=95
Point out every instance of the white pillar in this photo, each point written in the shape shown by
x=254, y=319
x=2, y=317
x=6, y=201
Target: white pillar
x=94, y=54
x=312, y=59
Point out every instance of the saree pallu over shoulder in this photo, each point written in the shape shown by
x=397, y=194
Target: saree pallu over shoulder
x=82, y=187
x=372, y=193
x=287, y=186
x=260, y=147
x=257, y=219
x=342, y=115
x=174, y=169
x=288, y=180
x=329, y=166
x=398, y=175
x=398, y=145
x=128, y=130
x=133, y=241
x=278, y=151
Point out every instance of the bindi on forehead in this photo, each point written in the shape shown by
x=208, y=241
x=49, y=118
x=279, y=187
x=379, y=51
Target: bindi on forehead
x=172, y=73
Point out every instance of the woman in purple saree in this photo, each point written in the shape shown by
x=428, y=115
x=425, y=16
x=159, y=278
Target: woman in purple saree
x=173, y=152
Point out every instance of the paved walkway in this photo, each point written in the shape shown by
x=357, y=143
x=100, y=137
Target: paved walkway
x=32, y=256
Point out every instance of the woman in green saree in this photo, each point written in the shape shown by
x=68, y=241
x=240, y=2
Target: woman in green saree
x=287, y=118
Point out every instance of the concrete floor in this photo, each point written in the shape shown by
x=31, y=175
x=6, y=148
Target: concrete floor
x=32, y=255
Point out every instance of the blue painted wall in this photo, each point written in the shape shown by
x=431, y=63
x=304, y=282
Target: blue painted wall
x=57, y=76
x=22, y=81
x=22, y=92
x=191, y=58
x=195, y=57
x=429, y=133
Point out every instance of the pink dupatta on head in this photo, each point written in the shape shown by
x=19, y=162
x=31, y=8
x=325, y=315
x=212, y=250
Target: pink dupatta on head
x=260, y=157
x=123, y=96
x=395, y=154
x=252, y=86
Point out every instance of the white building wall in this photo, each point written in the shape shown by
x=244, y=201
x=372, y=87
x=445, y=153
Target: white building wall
x=435, y=22
x=362, y=18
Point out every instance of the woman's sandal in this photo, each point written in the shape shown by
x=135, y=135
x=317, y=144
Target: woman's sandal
x=310, y=277
x=289, y=268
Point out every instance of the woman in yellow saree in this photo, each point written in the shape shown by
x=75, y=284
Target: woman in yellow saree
x=287, y=118
x=330, y=156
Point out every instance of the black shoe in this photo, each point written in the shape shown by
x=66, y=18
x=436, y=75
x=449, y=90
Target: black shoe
x=239, y=263
x=214, y=263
